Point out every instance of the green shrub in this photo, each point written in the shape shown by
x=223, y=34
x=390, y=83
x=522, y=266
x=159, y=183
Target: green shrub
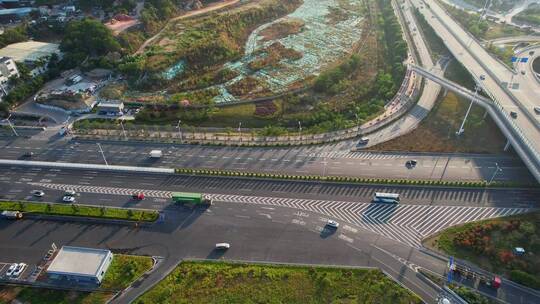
x=524, y=278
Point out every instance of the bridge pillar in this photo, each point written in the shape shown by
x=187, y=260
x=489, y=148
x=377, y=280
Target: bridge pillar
x=507, y=146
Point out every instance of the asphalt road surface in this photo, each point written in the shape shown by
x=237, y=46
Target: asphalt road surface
x=314, y=160
x=271, y=221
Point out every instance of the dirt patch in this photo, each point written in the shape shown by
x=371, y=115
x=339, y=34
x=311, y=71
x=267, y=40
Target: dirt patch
x=337, y=15
x=273, y=54
x=282, y=29
x=265, y=109
x=248, y=87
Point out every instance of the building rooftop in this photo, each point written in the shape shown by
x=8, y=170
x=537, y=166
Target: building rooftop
x=16, y=11
x=29, y=50
x=78, y=261
x=110, y=103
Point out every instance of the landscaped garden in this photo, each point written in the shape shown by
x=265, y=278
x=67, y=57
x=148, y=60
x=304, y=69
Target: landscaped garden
x=490, y=244
x=218, y=282
x=124, y=269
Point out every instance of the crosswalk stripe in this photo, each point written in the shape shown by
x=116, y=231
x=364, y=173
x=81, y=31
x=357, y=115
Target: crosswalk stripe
x=406, y=224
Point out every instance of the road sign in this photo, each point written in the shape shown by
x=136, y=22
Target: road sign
x=524, y=60
x=514, y=59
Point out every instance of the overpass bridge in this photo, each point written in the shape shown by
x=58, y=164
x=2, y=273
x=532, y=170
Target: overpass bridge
x=494, y=78
x=505, y=123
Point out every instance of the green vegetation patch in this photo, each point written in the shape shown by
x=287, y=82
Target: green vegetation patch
x=489, y=244
x=123, y=271
x=481, y=28
x=207, y=282
x=82, y=211
x=530, y=16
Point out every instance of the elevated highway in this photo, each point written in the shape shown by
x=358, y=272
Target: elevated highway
x=504, y=86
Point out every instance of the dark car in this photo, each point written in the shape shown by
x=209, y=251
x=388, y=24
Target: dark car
x=513, y=114
x=411, y=163
x=28, y=154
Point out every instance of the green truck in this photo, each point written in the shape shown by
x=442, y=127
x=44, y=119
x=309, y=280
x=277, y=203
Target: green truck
x=191, y=198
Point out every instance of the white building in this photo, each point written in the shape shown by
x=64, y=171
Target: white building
x=8, y=69
x=80, y=265
x=32, y=53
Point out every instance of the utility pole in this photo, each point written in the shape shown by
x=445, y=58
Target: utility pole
x=11, y=126
x=497, y=169
x=179, y=130
x=240, y=130
x=300, y=129
x=102, y=154
x=123, y=130
x=461, y=129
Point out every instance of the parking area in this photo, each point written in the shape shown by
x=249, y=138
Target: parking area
x=25, y=270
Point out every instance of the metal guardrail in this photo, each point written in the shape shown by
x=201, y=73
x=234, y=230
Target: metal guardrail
x=62, y=165
x=533, y=153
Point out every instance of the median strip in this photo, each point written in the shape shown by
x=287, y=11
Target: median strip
x=84, y=211
x=355, y=180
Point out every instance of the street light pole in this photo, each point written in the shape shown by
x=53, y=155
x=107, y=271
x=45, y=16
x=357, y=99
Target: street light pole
x=179, y=130
x=497, y=169
x=461, y=129
x=11, y=126
x=102, y=154
x=240, y=130
x=123, y=130
x=300, y=129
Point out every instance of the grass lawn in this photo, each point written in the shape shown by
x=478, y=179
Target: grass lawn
x=123, y=271
x=489, y=245
x=84, y=211
x=219, y=282
x=437, y=133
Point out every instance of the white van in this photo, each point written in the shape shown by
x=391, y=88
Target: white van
x=156, y=153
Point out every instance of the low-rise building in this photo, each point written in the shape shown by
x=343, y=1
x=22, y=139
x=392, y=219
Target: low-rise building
x=8, y=69
x=111, y=108
x=35, y=54
x=11, y=15
x=80, y=265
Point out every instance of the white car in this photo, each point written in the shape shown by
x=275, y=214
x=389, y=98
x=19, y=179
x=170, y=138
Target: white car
x=70, y=193
x=332, y=224
x=11, y=269
x=38, y=193
x=68, y=199
x=223, y=246
x=19, y=269
x=537, y=110
x=363, y=141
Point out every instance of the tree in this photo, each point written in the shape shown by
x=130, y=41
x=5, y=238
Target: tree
x=89, y=37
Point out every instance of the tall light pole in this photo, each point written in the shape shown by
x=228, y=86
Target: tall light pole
x=11, y=126
x=357, y=122
x=300, y=129
x=240, y=130
x=179, y=130
x=123, y=130
x=497, y=170
x=484, y=10
x=102, y=154
x=461, y=129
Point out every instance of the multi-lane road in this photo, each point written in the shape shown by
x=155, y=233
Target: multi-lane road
x=509, y=93
x=274, y=221
x=314, y=160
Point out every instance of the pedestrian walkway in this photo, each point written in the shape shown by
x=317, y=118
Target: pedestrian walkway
x=407, y=224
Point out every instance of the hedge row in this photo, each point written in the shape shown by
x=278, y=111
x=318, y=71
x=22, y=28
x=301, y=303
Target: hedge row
x=349, y=179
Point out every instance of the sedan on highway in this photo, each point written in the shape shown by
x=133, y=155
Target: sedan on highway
x=332, y=224
x=537, y=110
x=38, y=193
x=68, y=199
x=223, y=246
